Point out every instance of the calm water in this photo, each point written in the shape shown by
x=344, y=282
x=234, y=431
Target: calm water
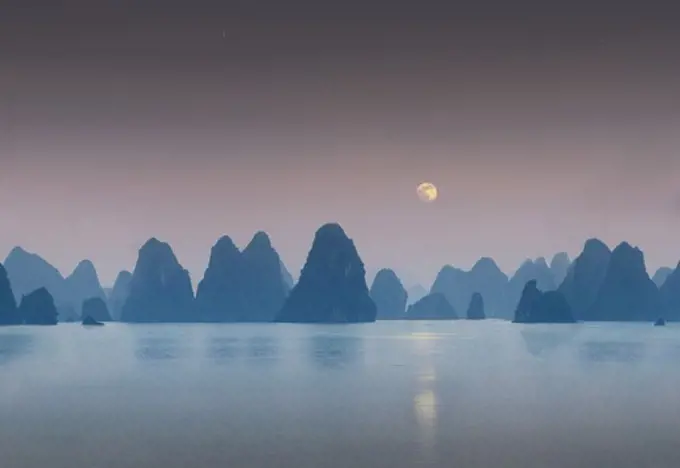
x=393, y=394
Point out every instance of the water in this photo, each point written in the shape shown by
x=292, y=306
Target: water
x=392, y=394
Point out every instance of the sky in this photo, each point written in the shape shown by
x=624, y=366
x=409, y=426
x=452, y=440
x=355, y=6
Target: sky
x=541, y=123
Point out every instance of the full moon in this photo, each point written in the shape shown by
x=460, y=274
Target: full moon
x=427, y=192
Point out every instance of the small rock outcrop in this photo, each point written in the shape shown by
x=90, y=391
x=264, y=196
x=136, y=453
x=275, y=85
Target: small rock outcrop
x=584, y=278
x=660, y=322
x=627, y=293
x=263, y=285
x=96, y=309
x=661, y=276
x=537, y=270
x=9, y=314
x=559, y=266
x=434, y=306
x=332, y=285
x=37, y=308
x=475, y=310
x=389, y=295
x=90, y=322
x=160, y=290
x=539, y=307
x=119, y=294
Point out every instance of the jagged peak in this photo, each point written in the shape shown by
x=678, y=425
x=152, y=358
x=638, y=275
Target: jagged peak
x=260, y=240
x=84, y=267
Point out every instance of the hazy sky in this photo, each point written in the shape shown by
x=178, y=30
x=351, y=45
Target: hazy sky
x=542, y=123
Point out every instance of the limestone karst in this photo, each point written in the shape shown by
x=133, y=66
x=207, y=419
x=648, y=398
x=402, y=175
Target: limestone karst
x=536, y=306
x=434, y=306
x=95, y=308
x=627, y=293
x=584, y=278
x=389, y=295
x=475, y=310
x=38, y=308
x=160, y=289
x=9, y=314
x=332, y=285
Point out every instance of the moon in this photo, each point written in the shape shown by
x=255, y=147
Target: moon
x=427, y=192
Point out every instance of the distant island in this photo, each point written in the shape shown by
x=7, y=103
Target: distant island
x=253, y=285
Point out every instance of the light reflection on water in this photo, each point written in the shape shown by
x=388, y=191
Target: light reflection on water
x=394, y=394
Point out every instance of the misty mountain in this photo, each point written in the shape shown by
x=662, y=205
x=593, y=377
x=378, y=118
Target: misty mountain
x=485, y=277
x=28, y=272
x=160, y=289
x=263, y=283
x=83, y=284
x=559, y=266
x=416, y=293
x=38, y=308
x=332, y=285
x=531, y=270
x=9, y=314
x=627, y=293
x=536, y=306
x=119, y=294
x=586, y=274
x=670, y=295
x=661, y=276
x=96, y=309
x=288, y=279
x=247, y=286
x=434, y=306
x=389, y=295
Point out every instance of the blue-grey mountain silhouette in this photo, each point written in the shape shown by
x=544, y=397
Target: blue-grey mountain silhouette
x=389, y=295
x=119, y=294
x=37, y=308
x=83, y=284
x=485, y=277
x=243, y=286
x=536, y=306
x=670, y=295
x=332, y=285
x=584, y=278
x=288, y=280
x=475, y=310
x=627, y=293
x=537, y=270
x=661, y=276
x=416, y=293
x=263, y=283
x=9, y=314
x=559, y=266
x=95, y=308
x=28, y=272
x=160, y=290
x=434, y=306
x=220, y=296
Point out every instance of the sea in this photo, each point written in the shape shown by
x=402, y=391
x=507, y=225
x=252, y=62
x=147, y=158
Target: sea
x=393, y=394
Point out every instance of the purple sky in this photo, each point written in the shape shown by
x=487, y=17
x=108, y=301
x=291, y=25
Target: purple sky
x=187, y=120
